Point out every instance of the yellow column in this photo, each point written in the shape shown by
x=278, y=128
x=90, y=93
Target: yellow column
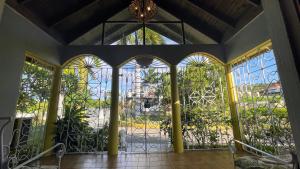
x=113, y=138
x=176, y=114
x=233, y=110
x=52, y=110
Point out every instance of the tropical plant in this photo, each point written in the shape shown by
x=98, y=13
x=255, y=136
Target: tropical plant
x=35, y=87
x=273, y=131
x=31, y=110
x=209, y=122
x=73, y=127
x=136, y=38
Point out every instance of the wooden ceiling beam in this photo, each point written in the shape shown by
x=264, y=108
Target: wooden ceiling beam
x=255, y=3
x=226, y=20
x=24, y=2
x=79, y=23
x=34, y=19
x=243, y=21
x=180, y=12
x=94, y=2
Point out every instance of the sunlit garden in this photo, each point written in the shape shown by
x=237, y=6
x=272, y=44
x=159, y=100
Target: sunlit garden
x=145, y=110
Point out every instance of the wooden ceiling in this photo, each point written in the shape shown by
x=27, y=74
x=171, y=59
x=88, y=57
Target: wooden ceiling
x=67, y=20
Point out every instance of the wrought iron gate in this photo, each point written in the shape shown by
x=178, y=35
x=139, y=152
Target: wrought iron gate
x=84, y=105
x=205, y=112
x=145, y=105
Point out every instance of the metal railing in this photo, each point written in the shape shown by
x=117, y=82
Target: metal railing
x=4, y=155
x=143, y=26
x=6, y=120
x=260, y=153
x=59, y=155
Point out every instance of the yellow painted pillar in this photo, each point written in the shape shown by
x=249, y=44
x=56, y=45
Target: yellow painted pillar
x=233, y=109
x=176, y=112
x=113, y=138
x=52, y=110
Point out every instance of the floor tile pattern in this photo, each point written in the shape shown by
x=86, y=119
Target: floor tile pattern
x=187, y=160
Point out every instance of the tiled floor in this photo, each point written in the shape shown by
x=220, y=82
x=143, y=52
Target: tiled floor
x=187, y=160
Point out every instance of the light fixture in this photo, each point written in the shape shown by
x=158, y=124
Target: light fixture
x=143, y=10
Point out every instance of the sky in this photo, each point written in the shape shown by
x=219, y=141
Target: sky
x=258, y=70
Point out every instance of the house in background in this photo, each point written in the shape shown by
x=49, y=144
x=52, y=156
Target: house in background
x=274, y=88
x=49, y=44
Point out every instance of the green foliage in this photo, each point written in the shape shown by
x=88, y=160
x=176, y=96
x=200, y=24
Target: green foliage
x=73, y=128
x=35, y=88
x=34, y=94
x=267, y=128
x=162, y=79
x=135, y=38
x=208, y=122
x=99, y=103
x=203, y=77
x=165, y=90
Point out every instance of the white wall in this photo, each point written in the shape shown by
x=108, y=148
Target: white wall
x=18, y=35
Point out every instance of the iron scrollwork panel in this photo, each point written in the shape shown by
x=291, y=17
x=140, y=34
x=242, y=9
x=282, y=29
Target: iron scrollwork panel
x=145, y=105
x=83, y=115
x=32, y=108
x=261, y=106
x=205, y=113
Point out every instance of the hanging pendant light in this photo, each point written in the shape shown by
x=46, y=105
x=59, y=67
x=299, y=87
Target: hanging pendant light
x=143, y=10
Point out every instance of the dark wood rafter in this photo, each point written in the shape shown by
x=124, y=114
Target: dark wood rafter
x=35, y=19
x=23, y=2
x=191, y=20
x=73, y=28
x=68, y=20
x=255, y=3
x=64, y=18
x=243, y=20
x=226, y=20
x=170, y=29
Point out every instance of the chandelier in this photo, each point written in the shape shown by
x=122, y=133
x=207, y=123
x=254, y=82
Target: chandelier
x=143, y=10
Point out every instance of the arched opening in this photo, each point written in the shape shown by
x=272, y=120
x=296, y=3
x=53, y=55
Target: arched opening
x=84, y=105
x=205, y=115
x=145, y=104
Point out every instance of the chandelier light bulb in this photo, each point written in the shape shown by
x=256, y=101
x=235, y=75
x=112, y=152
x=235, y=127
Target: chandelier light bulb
x=143, y=10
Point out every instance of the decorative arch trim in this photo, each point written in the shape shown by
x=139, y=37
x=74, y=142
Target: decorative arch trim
x=204, y=54
x=150, y=56
x=82, y=55
x=118, y=55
